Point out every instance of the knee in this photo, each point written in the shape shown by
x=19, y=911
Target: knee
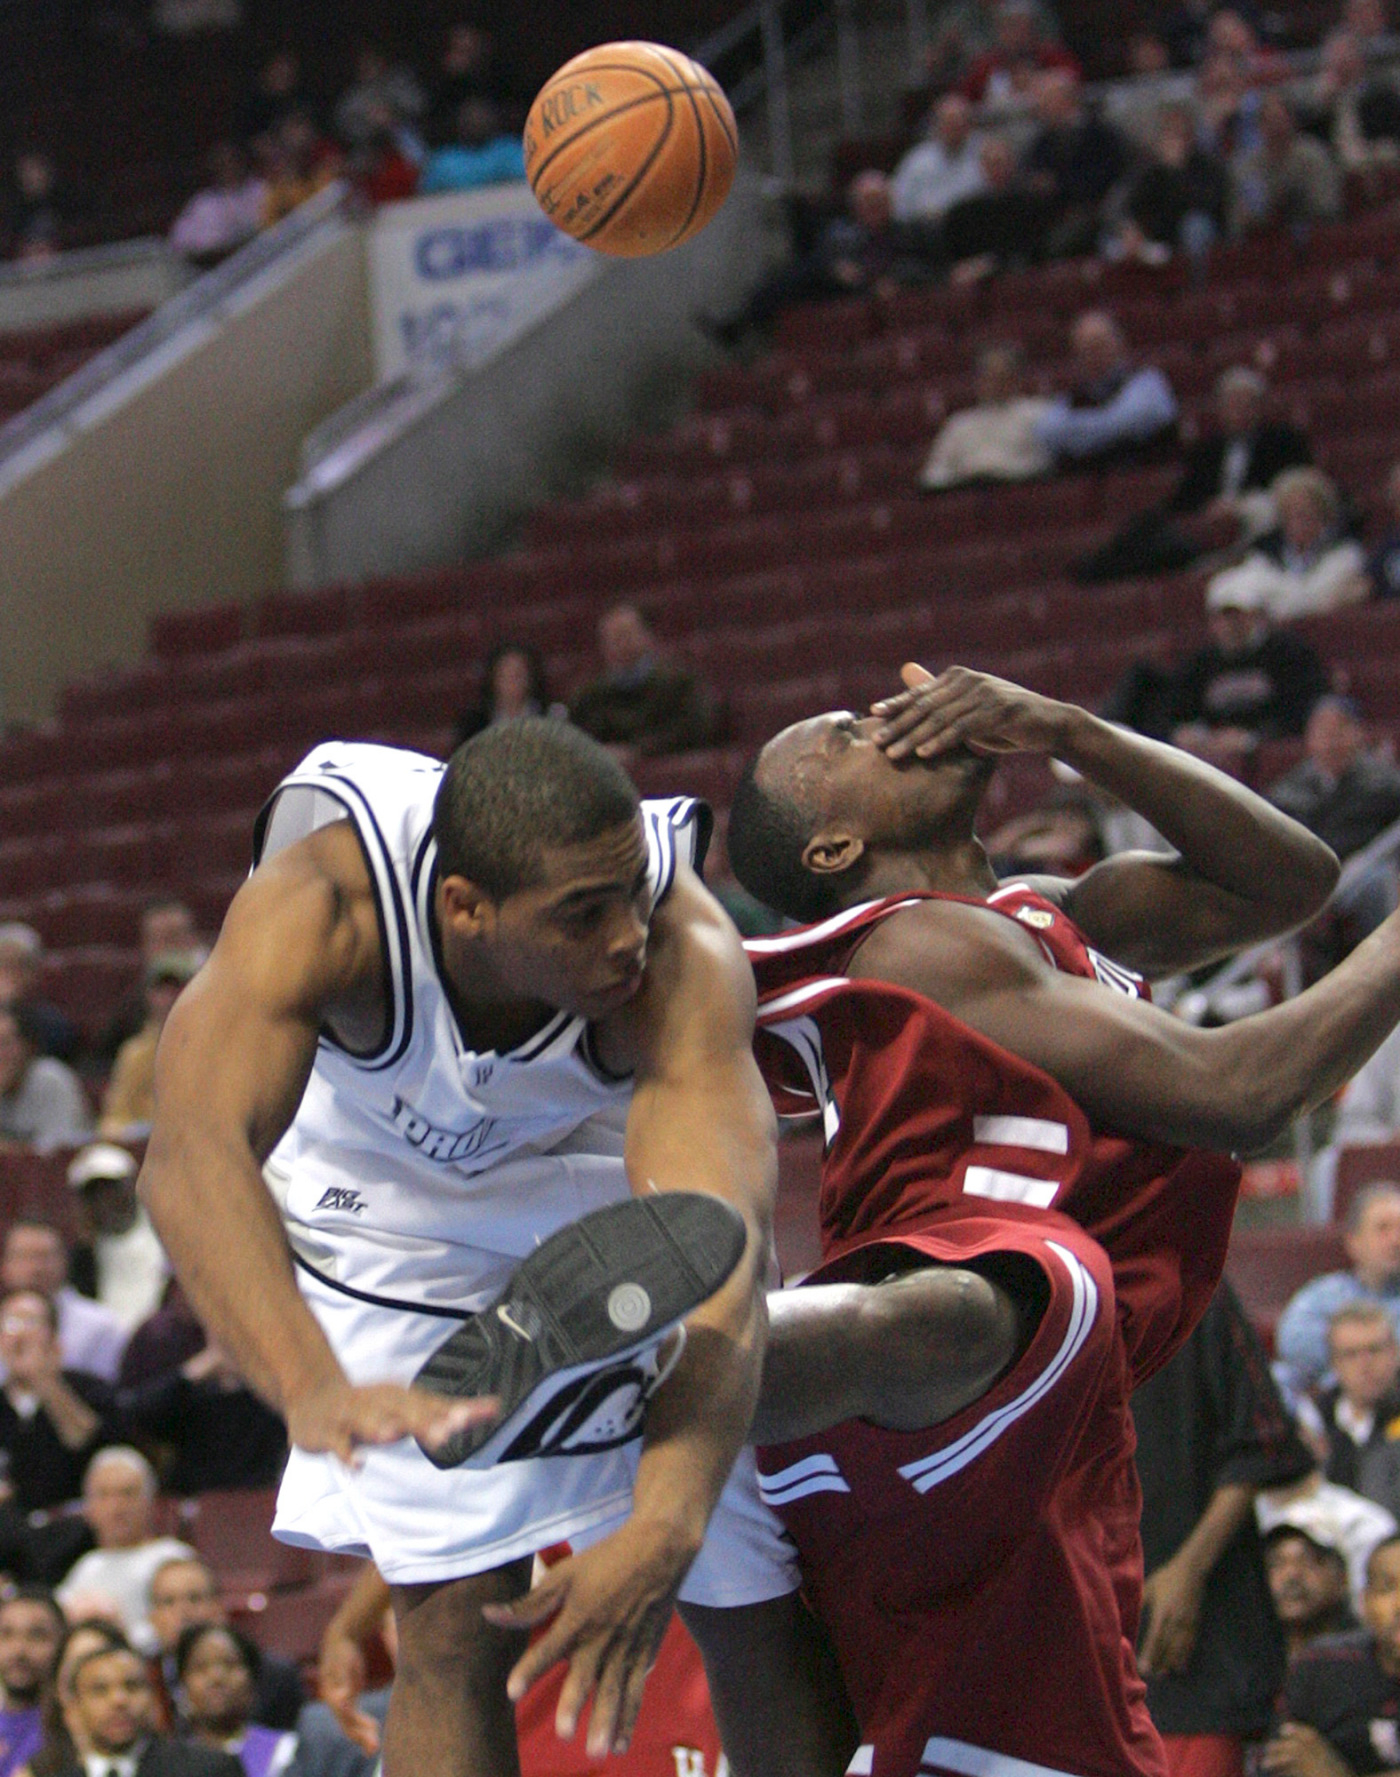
x=944, y=1335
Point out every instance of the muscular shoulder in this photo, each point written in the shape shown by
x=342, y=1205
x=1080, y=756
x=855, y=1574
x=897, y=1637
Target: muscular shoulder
x=950, y=951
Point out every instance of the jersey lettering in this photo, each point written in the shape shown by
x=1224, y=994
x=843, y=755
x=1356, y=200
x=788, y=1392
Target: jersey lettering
x=447, y=1145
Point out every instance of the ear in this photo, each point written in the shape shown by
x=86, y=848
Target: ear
x=832, y=853
x=466, y=909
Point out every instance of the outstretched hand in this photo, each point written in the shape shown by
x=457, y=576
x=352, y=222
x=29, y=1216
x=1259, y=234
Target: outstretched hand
x=607, y=1610
x=960, y=707
x=340, y=1418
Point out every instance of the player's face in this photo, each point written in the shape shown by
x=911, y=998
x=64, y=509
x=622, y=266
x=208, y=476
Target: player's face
x=1380, y=1603
x=577, y=939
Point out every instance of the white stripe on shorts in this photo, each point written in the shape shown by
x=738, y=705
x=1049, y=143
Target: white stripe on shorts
x=942, y=1755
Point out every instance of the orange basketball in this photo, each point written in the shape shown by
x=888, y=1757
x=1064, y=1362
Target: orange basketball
x=631, y=148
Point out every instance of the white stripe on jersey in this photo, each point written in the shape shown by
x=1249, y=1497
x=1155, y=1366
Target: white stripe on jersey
x=826, y=928
x=942, y=1755
x=863, y=1762
x=1009, y=1187
x=1022, y=1132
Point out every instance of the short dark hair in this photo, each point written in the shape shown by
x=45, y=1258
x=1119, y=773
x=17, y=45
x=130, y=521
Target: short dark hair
x=518, y=787
x=194, y=1633
x=768, y=834
x=40, y=1595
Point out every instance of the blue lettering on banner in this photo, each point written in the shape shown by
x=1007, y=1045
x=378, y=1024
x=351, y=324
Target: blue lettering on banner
x=503, y=244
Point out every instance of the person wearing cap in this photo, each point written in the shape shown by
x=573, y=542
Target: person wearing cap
x=1341, y=1705
x=21, y=953
x=1331, y=1515
x=1308, y=1584
x=1306, y=565
x=131, y=1266
x=129, y=1103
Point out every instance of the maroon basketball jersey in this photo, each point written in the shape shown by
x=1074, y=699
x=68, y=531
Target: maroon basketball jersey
x=920, y=1112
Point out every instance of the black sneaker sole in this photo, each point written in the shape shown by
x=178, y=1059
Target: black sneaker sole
x=569, y=1346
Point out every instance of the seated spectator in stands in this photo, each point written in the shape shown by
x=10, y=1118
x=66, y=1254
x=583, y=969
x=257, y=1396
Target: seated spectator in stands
x=1355, y=112
x=59, y=1753
x=1383, y=567
x=380, y=87
x=298, y=163
x=481, y=153
x=1073, y=162
x=1136, y=105
x=1233, y=31
x=41, y=1102
x=119, y=1495
x=995, y=440
x=111, y=1716
x=470, y=68
x=129, y=1262
x=1223, y=495
x=1333, y=1515
x=1341, y=1705
x=513, y=683
x=35, y=1257
x=1004, y=74
x=184, y=1593
x=1359, y=1414
x=167, y=927
x=217, y=1670
x=1309, y=1584
x=863, y=252
x=1117, y=410
x=1289, y=181
x=128, y=1104
x=1252, y=680
x=999, y=229
x=1308, y=564
x=641, y=702
x=1372, y=1238
x=278, y=90
x=1227, y=107
x=21, y=958
x=384, y=167
x=215, y=1432
x=227, y=212
x=1178, y=202
x=52, y=1419
x=31, y=1630
x=941, y=169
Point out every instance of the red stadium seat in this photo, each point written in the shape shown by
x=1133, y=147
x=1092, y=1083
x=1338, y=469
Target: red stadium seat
x=1268, y=1266
x=232, y=1530
x=1362, y=1166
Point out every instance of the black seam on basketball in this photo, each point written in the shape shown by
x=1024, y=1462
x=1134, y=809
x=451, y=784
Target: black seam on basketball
x=593, y=124
x=640, y=173
x=702, y=171
x=730, y=135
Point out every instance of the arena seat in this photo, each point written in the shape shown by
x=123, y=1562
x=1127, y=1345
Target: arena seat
x=231, y=1530
x=1361, y=1166
x=1268, y=1266
x=291, y=1624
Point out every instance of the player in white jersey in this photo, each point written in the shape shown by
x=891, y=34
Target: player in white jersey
x=452, y=1010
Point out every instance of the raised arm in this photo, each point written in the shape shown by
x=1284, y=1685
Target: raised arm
x=700, y=1120
x=1241, y=870
x=234, y=1059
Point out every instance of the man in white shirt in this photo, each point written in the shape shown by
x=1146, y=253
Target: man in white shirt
x=132, y=1269
x=943, y=168
x=90, y=1336
x=118, y=1494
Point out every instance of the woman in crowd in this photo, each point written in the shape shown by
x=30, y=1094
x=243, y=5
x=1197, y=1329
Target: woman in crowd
x=217, y=1670
x=513, y=683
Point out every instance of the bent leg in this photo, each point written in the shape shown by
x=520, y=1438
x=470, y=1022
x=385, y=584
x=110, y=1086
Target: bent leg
x=449, y=1715
x=904, y=1353
x=777, y=1692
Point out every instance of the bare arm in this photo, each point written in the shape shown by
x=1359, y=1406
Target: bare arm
x=233, y=1062
x=700, y=1120
x=1131, y=1066
x=1242, y=870
x=340, y=1673
x=1173, y=1593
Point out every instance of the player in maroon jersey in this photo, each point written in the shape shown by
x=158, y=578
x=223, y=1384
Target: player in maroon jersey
x=1024, y=1208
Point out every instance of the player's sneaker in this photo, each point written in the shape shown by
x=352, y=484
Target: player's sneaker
x=572, y=1347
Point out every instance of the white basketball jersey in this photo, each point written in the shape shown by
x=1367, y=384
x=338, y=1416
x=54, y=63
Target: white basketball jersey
x=420, y=1172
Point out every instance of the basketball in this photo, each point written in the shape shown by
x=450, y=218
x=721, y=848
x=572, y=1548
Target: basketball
x=631, y=148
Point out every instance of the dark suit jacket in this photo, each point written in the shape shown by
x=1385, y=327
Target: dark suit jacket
x=173, y=1758
x=1273, y=448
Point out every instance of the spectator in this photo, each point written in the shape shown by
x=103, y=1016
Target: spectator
x=384, y=167
x=80, y=1639
x=381, y=89
x=995, y=440
x=1308, y=1584
x=52, y=1419
x=1117, y=410
x=943, y=168
x=999, y=228
x=1073, y=163
x=1372, y=1239
x=128, y=1104
x=1289, y=181
x=1228, y=111
x=1252, y=680
x=1178, y=202
x=513, y=683
x=41, y=1103
x=130, y=1263
x=641, y=701
x=39, y=216
x=1223, y=493
x=119, y=1494
x=1308, y=564
x=470, y=68
x=480, y=152
x=1356, y=113
x=1211, y=1431
x=184, y=1593
x=216, y=1433
x=31, y=1629
x=1383, y=568
x=278, y=91
x=167, y=927
x=298, y=164
x=227, y=212
x=91, y=1338
x=21, y=958
x=1232, y=32
x=1368, y=22
x=1360, y=1413
x=1341, y=1705
x=217, y=1668
x=1004, y=74
x=1332, y=1515
x=112, y=1717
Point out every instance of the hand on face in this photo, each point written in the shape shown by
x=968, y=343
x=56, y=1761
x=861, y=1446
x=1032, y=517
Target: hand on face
x=959, y=707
